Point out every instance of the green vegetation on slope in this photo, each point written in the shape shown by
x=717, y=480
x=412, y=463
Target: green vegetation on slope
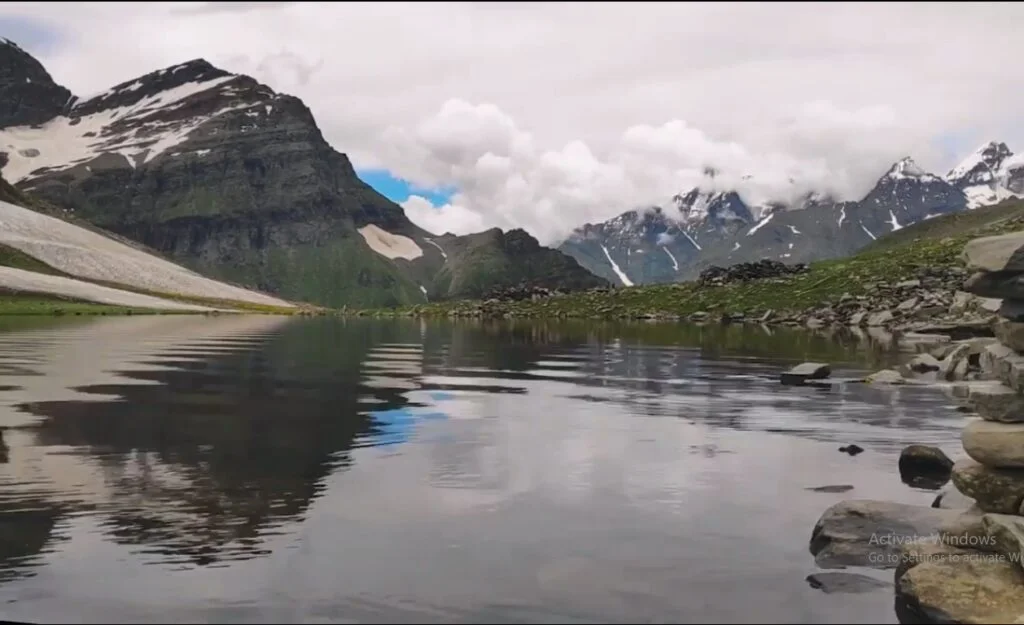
x=17, y=303
x=933, y=243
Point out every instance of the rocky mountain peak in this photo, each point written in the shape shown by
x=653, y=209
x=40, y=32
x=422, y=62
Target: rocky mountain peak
x=907, y=168
x=981, y=167
x=28, y=94
x=714, y=209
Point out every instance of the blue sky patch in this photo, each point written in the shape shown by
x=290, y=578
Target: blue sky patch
x=398, y=190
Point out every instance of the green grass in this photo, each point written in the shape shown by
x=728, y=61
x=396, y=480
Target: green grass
x=12, y=303
x=895, y=257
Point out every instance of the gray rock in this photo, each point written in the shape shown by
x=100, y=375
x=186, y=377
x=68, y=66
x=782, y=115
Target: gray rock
x=952, y=499
x=1008, y=286
x=923, y=363
x=997, y=402
x=879, y=318
x=886, y=376
x=836, y=582
x=994, y=490
x=766, y=316
x=967, y=531
x=869, y=533
x=1012, y=310
x=996, y=253
x=908, y=284
x=999, y=445
x=858, y=318
x=908, y=304
x=1010, y=333
x=806, y=371
x=943, y=584
x=1005, y=534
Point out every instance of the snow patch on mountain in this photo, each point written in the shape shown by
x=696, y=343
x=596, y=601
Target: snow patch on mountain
x=675, y=263
x=390, y=245
x=760, y=224
x=615, y=267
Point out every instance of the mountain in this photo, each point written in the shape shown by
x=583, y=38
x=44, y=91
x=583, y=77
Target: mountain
x=235, y=181
x=705, y=228
x=989, y=175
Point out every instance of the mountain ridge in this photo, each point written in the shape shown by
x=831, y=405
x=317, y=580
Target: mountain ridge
x=676, y=246
x=234, y=180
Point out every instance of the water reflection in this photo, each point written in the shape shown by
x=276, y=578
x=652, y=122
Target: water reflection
x=198, y=443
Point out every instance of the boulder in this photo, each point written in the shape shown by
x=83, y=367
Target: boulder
x=967, y=531
x=1008, y=286
x=886, y=376
x=925, y=466
x=923, y=363
x=806, y=371
x=1011, y=309
x=908, y=304
x=997, y=402
x=994, y=444
x=1004, y=252
x=947, y=585
x=858, y=318
x=869, y=533
x=1010, y=333
x=879, y=318
x=994, y=490
x=1005, y=535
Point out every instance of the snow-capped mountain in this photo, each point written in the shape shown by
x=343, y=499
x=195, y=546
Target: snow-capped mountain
x=235, y=181
x=991, y=174
x=720, y=228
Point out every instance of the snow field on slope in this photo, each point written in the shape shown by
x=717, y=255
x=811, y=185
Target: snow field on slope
x=391, y=245
x=85, y=254
x=30, y=281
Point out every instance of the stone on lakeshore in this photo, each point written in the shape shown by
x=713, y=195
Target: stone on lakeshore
x=879, y=318
x=1003, y=252
x=869, y=533
x=806, y=371
x=1008, y=286
x=997, y=402
x=908, y=304
x=999, y=445
x=1005, y=535
x=967, y=531
x=1002, y=363
x=886, y=376
x=994, y=490
x=943, y=584
x=1012, y=310
x=923, y=363
x=857, y=319
x=924, y=463
x=1010, y=333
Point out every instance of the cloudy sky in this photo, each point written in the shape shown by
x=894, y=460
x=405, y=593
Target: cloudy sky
x=547, y=115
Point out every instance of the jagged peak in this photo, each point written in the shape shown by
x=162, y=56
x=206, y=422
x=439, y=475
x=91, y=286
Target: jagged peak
x=906, y=168
x=989, y=156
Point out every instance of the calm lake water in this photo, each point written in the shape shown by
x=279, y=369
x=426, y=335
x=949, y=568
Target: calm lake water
x=258, y=469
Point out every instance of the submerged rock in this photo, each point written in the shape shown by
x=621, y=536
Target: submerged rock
x=806, y=371
x=852, y=449
x=832, y=488
x=924, y=465
x=835, y=582
x=886, y=376
x=870, y=533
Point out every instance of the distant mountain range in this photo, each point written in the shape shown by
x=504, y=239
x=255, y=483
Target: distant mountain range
x=235, y=181
x=703, y=228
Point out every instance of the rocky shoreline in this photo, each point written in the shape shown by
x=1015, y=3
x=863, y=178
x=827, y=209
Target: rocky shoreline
x=959, y=565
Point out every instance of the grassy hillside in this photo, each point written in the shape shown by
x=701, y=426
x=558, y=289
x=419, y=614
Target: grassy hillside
x=894, y=257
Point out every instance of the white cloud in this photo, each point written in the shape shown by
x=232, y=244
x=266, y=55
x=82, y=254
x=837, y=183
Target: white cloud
x=456, y=219
x=545, y=115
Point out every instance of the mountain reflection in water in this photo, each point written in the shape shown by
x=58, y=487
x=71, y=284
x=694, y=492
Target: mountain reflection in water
x=247, y=468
